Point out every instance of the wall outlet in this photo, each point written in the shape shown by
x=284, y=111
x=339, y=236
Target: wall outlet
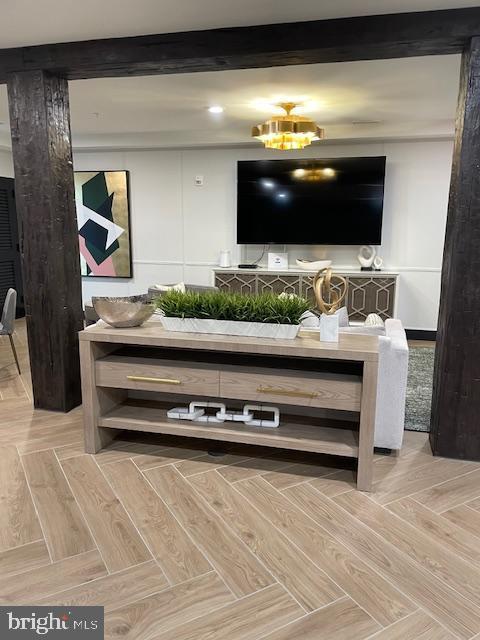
x=199, y=180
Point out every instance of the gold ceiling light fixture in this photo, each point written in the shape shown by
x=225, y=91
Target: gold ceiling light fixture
x=314, y=175
x=288, y=131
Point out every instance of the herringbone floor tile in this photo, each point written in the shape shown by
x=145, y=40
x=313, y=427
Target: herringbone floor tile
x=253, y=545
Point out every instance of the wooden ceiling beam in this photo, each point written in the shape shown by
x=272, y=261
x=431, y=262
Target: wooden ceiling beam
x=339, y=40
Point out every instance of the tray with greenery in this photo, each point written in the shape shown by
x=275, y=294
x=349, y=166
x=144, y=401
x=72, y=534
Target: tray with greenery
x=219, y=305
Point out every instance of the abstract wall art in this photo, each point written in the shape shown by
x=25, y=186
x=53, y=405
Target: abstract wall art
x=103, y=215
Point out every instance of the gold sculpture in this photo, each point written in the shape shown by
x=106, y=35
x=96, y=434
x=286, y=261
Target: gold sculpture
x=328, y=299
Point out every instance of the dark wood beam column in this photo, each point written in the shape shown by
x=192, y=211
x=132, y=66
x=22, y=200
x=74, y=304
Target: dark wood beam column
x=42, y=155
x=455, y=426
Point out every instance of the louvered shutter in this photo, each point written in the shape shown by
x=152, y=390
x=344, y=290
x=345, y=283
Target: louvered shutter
x=10, y=264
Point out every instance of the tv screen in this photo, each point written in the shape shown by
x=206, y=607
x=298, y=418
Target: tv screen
x=321, y=201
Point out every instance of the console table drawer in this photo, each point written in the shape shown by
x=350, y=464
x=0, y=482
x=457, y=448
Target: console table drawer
x=328, y=391
x=154, y=375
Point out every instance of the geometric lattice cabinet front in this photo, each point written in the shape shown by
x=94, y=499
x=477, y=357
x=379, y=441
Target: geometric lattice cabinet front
x=370, y=295
x=366, y=293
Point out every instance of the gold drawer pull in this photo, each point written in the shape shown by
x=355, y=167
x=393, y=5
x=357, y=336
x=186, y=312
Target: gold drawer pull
x=286, y=392
x=158, y=380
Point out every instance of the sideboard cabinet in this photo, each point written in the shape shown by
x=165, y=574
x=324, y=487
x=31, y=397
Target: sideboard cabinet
x=368, y=291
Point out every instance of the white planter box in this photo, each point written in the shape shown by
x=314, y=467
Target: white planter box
x=232, y=327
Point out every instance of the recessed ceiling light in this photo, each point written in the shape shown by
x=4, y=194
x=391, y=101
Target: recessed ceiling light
x=216, y=108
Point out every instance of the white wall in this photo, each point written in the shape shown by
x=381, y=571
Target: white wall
x=178, y=228
x=6, y=164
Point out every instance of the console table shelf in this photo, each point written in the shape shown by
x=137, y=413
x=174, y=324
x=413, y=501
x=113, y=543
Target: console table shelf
x=131, y=377
x=289, y=435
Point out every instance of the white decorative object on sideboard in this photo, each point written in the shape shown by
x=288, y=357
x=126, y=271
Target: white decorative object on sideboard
x=278, y=261
x=315, y=265
x=225, y=259
x=366, y=256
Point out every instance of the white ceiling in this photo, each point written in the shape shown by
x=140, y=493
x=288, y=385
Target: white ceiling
x=409, y=97
x=28, y=22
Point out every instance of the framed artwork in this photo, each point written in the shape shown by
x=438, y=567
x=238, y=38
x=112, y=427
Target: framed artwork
x=103, y=215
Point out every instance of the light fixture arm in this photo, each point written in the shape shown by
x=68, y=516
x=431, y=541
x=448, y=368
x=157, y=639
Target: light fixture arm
x=288, y=107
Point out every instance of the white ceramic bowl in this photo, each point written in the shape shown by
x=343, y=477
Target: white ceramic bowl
x=316, y=265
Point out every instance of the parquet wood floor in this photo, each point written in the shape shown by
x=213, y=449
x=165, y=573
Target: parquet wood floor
x=254, y=545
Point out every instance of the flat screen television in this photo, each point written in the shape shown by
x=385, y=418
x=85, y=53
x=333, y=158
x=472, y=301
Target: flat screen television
x=304, y=201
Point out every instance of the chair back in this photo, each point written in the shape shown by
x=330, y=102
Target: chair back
x=8, y=314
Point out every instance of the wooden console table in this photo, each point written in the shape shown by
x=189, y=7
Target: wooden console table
x=304, y=376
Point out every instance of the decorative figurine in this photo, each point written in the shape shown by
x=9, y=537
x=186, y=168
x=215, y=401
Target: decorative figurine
x=366, y=256
x=196, y=412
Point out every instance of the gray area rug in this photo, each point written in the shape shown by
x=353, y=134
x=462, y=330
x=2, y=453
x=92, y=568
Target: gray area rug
x=419, y=388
